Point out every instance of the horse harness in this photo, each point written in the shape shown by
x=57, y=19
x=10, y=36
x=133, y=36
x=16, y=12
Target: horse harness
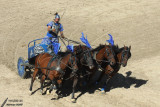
x=106, y=51
x=99, y=64
x=85, y=56
x=123, y=53
x=58, y=68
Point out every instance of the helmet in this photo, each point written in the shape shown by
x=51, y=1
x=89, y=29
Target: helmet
x=57, y=16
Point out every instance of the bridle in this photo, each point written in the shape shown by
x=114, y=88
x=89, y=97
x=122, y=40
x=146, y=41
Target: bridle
x=109, y=57
x=85, y=57
x=108, y=53
x=123, y=54
x=58, y=68
x=72, y=62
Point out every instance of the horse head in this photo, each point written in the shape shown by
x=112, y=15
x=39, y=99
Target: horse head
x=124, y=55
x=85, y=56
x=109, y=54
x=72, y=62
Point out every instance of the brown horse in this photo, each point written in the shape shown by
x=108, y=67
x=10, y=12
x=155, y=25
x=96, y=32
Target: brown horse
x=54, y=68
x=101, y=54
x=122, y=56
x=104, y=53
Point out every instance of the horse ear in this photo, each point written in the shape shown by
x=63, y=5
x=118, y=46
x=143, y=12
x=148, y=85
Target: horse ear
x=130, y=47
x=105, y=45
x=119, y=57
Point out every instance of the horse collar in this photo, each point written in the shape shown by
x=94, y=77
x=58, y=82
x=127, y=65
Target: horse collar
x=58, y=68
x=94, y=55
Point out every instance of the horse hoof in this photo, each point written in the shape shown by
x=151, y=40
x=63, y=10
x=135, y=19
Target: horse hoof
x=99, y=88
x=42, y=92
x=73, y=100
x=47, y=92
x=30, y=92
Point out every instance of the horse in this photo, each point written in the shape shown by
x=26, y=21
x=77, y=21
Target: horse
x=122, y=56
x=53, y=67
x=101, y=54
x=104, y=53
x=84, y=57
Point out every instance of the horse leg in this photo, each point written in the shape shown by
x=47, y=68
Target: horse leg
x=54, y=89
x=74, y=86
x=105, y=84
x=100, y=78
x=33, y=78
x=53, y=85
x=42, y=82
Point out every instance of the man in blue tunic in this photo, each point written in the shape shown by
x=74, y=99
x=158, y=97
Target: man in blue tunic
x=53, y=27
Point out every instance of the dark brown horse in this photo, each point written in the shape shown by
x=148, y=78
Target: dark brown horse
x=101, y=54
x=122, y=56
x=54, y=68
x=84, y=57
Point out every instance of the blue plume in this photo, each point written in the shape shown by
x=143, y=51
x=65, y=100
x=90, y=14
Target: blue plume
x=85, y=41
x=70, y=47
x=111, y=41
x=56, y=47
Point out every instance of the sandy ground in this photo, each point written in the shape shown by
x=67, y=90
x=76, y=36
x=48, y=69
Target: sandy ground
x=131, y=22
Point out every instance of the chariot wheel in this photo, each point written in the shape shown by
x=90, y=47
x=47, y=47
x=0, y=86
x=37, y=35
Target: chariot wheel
x=21, y=69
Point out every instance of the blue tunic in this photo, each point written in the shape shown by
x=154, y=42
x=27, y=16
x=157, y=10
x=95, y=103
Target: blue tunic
x=57, y=26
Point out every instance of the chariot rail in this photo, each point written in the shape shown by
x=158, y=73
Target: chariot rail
x=35, y=41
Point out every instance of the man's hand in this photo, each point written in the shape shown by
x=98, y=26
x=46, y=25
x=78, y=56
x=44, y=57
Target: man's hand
x=62, y=34
x=50, y=38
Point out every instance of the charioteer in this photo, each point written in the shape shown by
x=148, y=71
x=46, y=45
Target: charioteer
x=53, y=27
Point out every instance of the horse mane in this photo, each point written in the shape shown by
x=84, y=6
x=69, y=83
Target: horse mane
x=78, y=49
x=99, y=47
x=116, y=49
x=121, y=49
x=129, y=54
x=62, y=54
x=56, y=13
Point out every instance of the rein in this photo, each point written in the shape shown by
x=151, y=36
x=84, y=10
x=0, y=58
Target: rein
x=69, y=40
x=99, y=64
x=85, y=57
x=55, y=68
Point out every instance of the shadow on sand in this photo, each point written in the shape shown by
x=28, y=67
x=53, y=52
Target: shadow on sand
x=118, y=81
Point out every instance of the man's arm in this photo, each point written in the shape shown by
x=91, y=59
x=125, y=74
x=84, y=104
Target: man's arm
x=62, y=35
